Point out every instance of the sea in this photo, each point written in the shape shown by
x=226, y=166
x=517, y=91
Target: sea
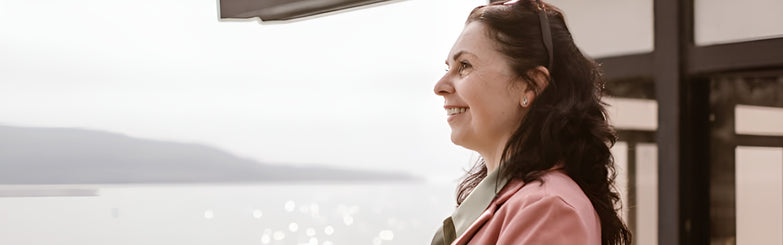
x=205, y=214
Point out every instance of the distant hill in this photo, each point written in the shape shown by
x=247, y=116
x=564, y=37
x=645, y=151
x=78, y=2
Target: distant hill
x=78, y=156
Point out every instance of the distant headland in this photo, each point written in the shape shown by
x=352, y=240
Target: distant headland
x=31, y=155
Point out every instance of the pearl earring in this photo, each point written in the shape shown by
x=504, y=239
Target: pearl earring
x=524, y=101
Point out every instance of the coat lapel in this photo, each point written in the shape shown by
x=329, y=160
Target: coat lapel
x=470, y=210
x=500, y=198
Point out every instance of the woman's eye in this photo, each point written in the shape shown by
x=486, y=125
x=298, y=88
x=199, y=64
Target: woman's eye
x=463, y=66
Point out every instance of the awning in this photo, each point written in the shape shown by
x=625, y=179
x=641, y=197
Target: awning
x=277, y=10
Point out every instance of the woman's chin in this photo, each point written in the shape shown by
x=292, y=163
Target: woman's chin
x=454, y=138
x=458, y=139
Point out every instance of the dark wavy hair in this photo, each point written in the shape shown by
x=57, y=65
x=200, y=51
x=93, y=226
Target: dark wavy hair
x=566, y=124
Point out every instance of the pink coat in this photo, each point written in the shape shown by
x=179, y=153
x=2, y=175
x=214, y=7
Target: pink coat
x=555, y=212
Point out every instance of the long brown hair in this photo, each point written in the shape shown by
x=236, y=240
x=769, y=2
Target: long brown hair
x=566, y=123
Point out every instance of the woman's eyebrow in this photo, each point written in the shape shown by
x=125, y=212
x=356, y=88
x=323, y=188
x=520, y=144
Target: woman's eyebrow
x=457, y=55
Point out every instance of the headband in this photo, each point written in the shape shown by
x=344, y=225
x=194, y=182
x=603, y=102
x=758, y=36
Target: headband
x=546, y=32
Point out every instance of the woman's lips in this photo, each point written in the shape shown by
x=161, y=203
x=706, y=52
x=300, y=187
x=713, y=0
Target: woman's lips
x=455, y=111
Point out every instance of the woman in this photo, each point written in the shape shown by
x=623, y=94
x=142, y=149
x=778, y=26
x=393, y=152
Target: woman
x=522, y=95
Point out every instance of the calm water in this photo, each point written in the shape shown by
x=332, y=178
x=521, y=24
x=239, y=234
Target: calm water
x=378, y=213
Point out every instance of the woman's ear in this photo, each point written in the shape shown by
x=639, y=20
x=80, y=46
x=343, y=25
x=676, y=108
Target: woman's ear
x=540, y=76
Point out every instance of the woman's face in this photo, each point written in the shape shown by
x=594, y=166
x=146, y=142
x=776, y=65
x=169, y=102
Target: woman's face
x=483, y=97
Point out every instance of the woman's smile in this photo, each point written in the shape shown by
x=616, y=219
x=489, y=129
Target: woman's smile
x=454, y=111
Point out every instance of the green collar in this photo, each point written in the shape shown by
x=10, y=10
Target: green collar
x=470, y=209
x=478, y=201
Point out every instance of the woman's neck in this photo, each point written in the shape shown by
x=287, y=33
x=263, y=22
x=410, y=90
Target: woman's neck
x=491, y=164
x=492, y=157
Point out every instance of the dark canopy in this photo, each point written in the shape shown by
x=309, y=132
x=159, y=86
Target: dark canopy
x=272, y=10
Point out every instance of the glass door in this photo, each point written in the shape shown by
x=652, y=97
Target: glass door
x=746, y=152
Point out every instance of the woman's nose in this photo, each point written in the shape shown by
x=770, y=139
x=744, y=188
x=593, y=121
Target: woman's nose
x=444, y=86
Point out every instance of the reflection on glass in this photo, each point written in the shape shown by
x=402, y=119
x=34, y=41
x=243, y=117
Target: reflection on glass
x=595, y=33
x=725, y=21
x=620, y=153
x=759, y=183
x=646, y=208
x=637, y=182
x=758, y=120
x=637, y=114
x=745, y=111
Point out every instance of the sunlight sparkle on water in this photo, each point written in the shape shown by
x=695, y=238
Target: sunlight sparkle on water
x=278, y=235
x=310, y=231
x=314, y=210
x=386, y=235
x=290, y=206
x=348, y=220
x=209, y=214
x=265, y=239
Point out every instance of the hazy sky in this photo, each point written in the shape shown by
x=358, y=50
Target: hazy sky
x=352, y=89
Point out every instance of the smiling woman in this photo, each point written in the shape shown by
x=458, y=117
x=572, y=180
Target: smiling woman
x=483, y=82
x=521, y=94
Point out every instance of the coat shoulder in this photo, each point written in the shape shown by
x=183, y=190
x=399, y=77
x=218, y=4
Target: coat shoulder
x=554, y=184
x=551, y=211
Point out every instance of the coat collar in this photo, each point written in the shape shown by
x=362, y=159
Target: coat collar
x=477, y=201
x=474, y=206
x=470, y=209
